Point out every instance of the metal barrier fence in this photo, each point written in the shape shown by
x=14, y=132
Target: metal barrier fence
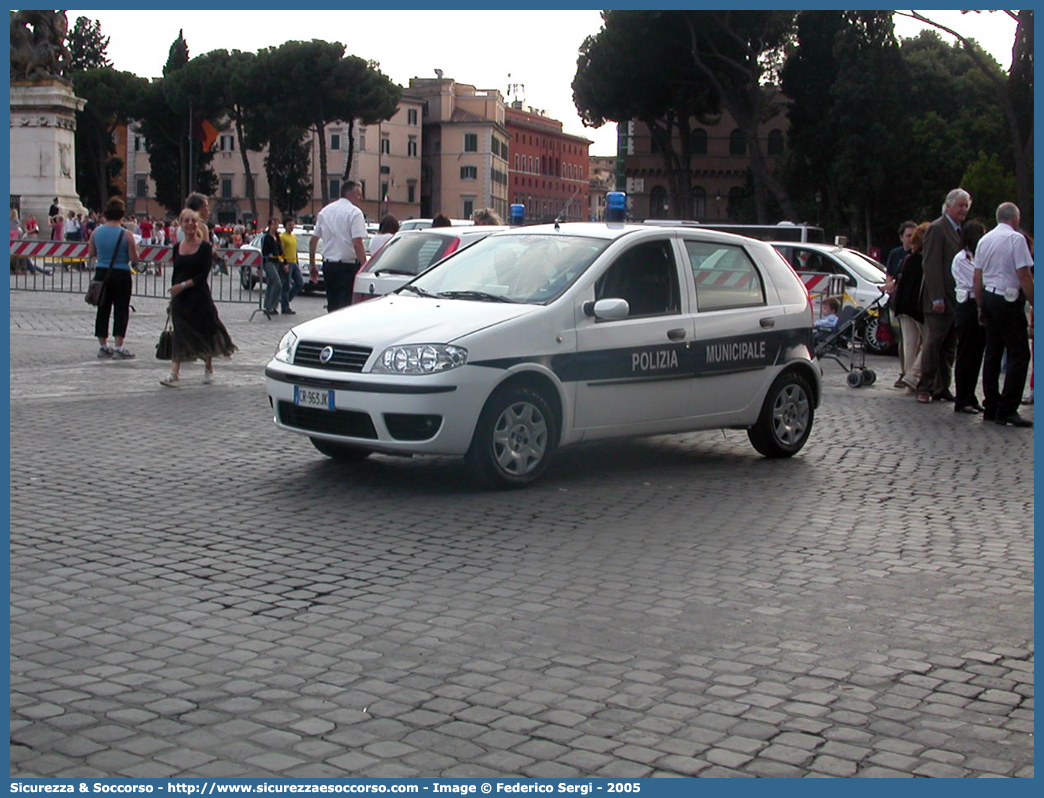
x=820, y=286
x=64, y=266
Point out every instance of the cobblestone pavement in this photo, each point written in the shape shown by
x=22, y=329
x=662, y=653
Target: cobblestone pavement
x=195, y=593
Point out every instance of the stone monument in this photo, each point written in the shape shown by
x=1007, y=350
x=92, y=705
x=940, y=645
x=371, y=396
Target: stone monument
x=43, y=116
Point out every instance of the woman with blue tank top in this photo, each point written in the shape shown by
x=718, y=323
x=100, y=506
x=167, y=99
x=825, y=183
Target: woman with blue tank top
x=106, y=239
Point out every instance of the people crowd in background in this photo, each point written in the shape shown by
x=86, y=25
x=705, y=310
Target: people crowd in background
x=964, y=301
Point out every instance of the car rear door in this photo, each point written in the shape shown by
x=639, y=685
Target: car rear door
x=739, y=327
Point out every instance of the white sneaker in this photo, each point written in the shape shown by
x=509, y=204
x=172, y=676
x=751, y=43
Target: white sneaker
x=172, y=380
x=208, y=377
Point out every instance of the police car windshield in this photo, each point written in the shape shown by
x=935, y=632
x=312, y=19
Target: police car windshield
x=527, y=268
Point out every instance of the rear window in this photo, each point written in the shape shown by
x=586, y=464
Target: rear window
x=725, y=277
x=410, y=254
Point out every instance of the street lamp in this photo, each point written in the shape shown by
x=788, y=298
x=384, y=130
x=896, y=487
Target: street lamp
x=717, y=199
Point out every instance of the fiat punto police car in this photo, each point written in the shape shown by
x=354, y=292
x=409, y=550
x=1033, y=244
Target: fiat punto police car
x=545, y=336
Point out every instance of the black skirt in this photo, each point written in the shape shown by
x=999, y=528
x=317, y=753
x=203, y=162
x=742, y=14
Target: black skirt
x=198, y=331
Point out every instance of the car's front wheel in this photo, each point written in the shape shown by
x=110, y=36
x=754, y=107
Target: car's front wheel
x=786, y=417
x=514, y=439
x=340, y=452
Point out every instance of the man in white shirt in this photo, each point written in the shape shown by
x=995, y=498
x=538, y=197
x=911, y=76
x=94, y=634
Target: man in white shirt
x=1003, y=283
x=342, y=227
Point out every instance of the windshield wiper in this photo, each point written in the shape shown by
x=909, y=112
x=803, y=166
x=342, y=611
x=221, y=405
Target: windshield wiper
x=417, y=290
x=481, y=296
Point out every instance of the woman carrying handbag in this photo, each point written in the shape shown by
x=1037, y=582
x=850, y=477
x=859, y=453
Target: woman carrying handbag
x=198, y=332
x=113, y=245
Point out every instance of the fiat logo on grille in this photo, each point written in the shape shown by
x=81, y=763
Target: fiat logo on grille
x=326, y=354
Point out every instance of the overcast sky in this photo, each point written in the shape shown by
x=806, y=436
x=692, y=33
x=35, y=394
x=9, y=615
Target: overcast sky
x=488, y=49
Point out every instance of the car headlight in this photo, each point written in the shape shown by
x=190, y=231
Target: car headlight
x=420, y=359
x=285, y=350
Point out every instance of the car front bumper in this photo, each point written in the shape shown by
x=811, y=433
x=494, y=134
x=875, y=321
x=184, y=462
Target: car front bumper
x=430, y=414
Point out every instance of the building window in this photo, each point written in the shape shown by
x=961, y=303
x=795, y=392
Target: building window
x=469, y=207
x=226, y=186
x=335, y=188
x=699, y=202
x=411, y=147
x=335, y=141
x=411, y=116
x=385, y=169
x=737, y=143
x=227, y=142
x=737, y=196
x=775, y=142
x=658, y=203
x=141, y=188
x=698, y=141
x=385, y=146
x=411, y=192
x=384, y=192
x=139, y=144
x=362, y=189
x=362, y=142
x=469, y=173
x=471, y=142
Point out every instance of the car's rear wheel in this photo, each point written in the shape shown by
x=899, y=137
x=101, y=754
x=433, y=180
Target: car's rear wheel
x=514, y=439
x=786, y=417
x=340, y=452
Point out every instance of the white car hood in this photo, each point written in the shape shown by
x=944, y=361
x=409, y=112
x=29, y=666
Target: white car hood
x=398, y=319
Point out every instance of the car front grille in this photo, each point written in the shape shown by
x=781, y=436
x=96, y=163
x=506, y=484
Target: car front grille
x=345, y=358
x=350, y=423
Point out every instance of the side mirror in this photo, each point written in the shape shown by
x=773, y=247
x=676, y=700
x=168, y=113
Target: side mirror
x=607, y=309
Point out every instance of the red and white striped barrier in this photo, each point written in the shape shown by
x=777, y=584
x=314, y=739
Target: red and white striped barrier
x=32, y=248
x=147, y=253
x=720, y=278
x=240, y=257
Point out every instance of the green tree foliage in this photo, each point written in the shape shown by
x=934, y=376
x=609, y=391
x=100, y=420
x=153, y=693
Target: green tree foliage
x=739, y=53
x=165, y=113
x=849, y=121
x=313, y=83
x=956, y=114
x=87, y=46
x=989, y=183
x=287, y=168
x=621, y=75
x=667, y=68
x=110, y=96
x=1013, y=95
x=234, y=86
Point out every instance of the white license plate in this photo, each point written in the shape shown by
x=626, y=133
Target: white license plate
x=312, y=397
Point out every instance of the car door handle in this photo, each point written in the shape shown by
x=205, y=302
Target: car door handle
x=676, y=334
x=767, y=323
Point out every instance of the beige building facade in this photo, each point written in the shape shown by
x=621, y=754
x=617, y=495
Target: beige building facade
x=465, y=152
x=386, y=161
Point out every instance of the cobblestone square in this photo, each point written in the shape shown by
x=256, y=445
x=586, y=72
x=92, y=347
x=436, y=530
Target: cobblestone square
x=198, y=594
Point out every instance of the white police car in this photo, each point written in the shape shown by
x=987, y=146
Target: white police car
x=544, y=336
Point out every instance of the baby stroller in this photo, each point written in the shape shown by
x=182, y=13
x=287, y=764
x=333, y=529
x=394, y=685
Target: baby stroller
x=846, y=343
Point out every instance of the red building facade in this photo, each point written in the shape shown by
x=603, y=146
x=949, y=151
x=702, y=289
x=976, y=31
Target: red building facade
x=548, y=170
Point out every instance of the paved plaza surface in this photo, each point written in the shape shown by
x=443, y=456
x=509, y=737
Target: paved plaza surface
x=198, y=594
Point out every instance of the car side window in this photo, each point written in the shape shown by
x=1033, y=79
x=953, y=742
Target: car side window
x=725, y=277
x=647, y=277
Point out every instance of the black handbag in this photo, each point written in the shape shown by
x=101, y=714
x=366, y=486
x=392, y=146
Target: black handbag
x=96, y=290
x=165, y=345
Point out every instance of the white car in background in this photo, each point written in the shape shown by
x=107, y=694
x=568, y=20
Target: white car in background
x=424, y=224
x=864, y=280
x=407, y=254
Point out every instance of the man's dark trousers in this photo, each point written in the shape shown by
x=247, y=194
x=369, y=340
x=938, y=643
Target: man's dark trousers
x=1005, y=329
x=340, y=279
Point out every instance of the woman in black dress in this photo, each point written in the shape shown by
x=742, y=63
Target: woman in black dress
x=198, y=332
